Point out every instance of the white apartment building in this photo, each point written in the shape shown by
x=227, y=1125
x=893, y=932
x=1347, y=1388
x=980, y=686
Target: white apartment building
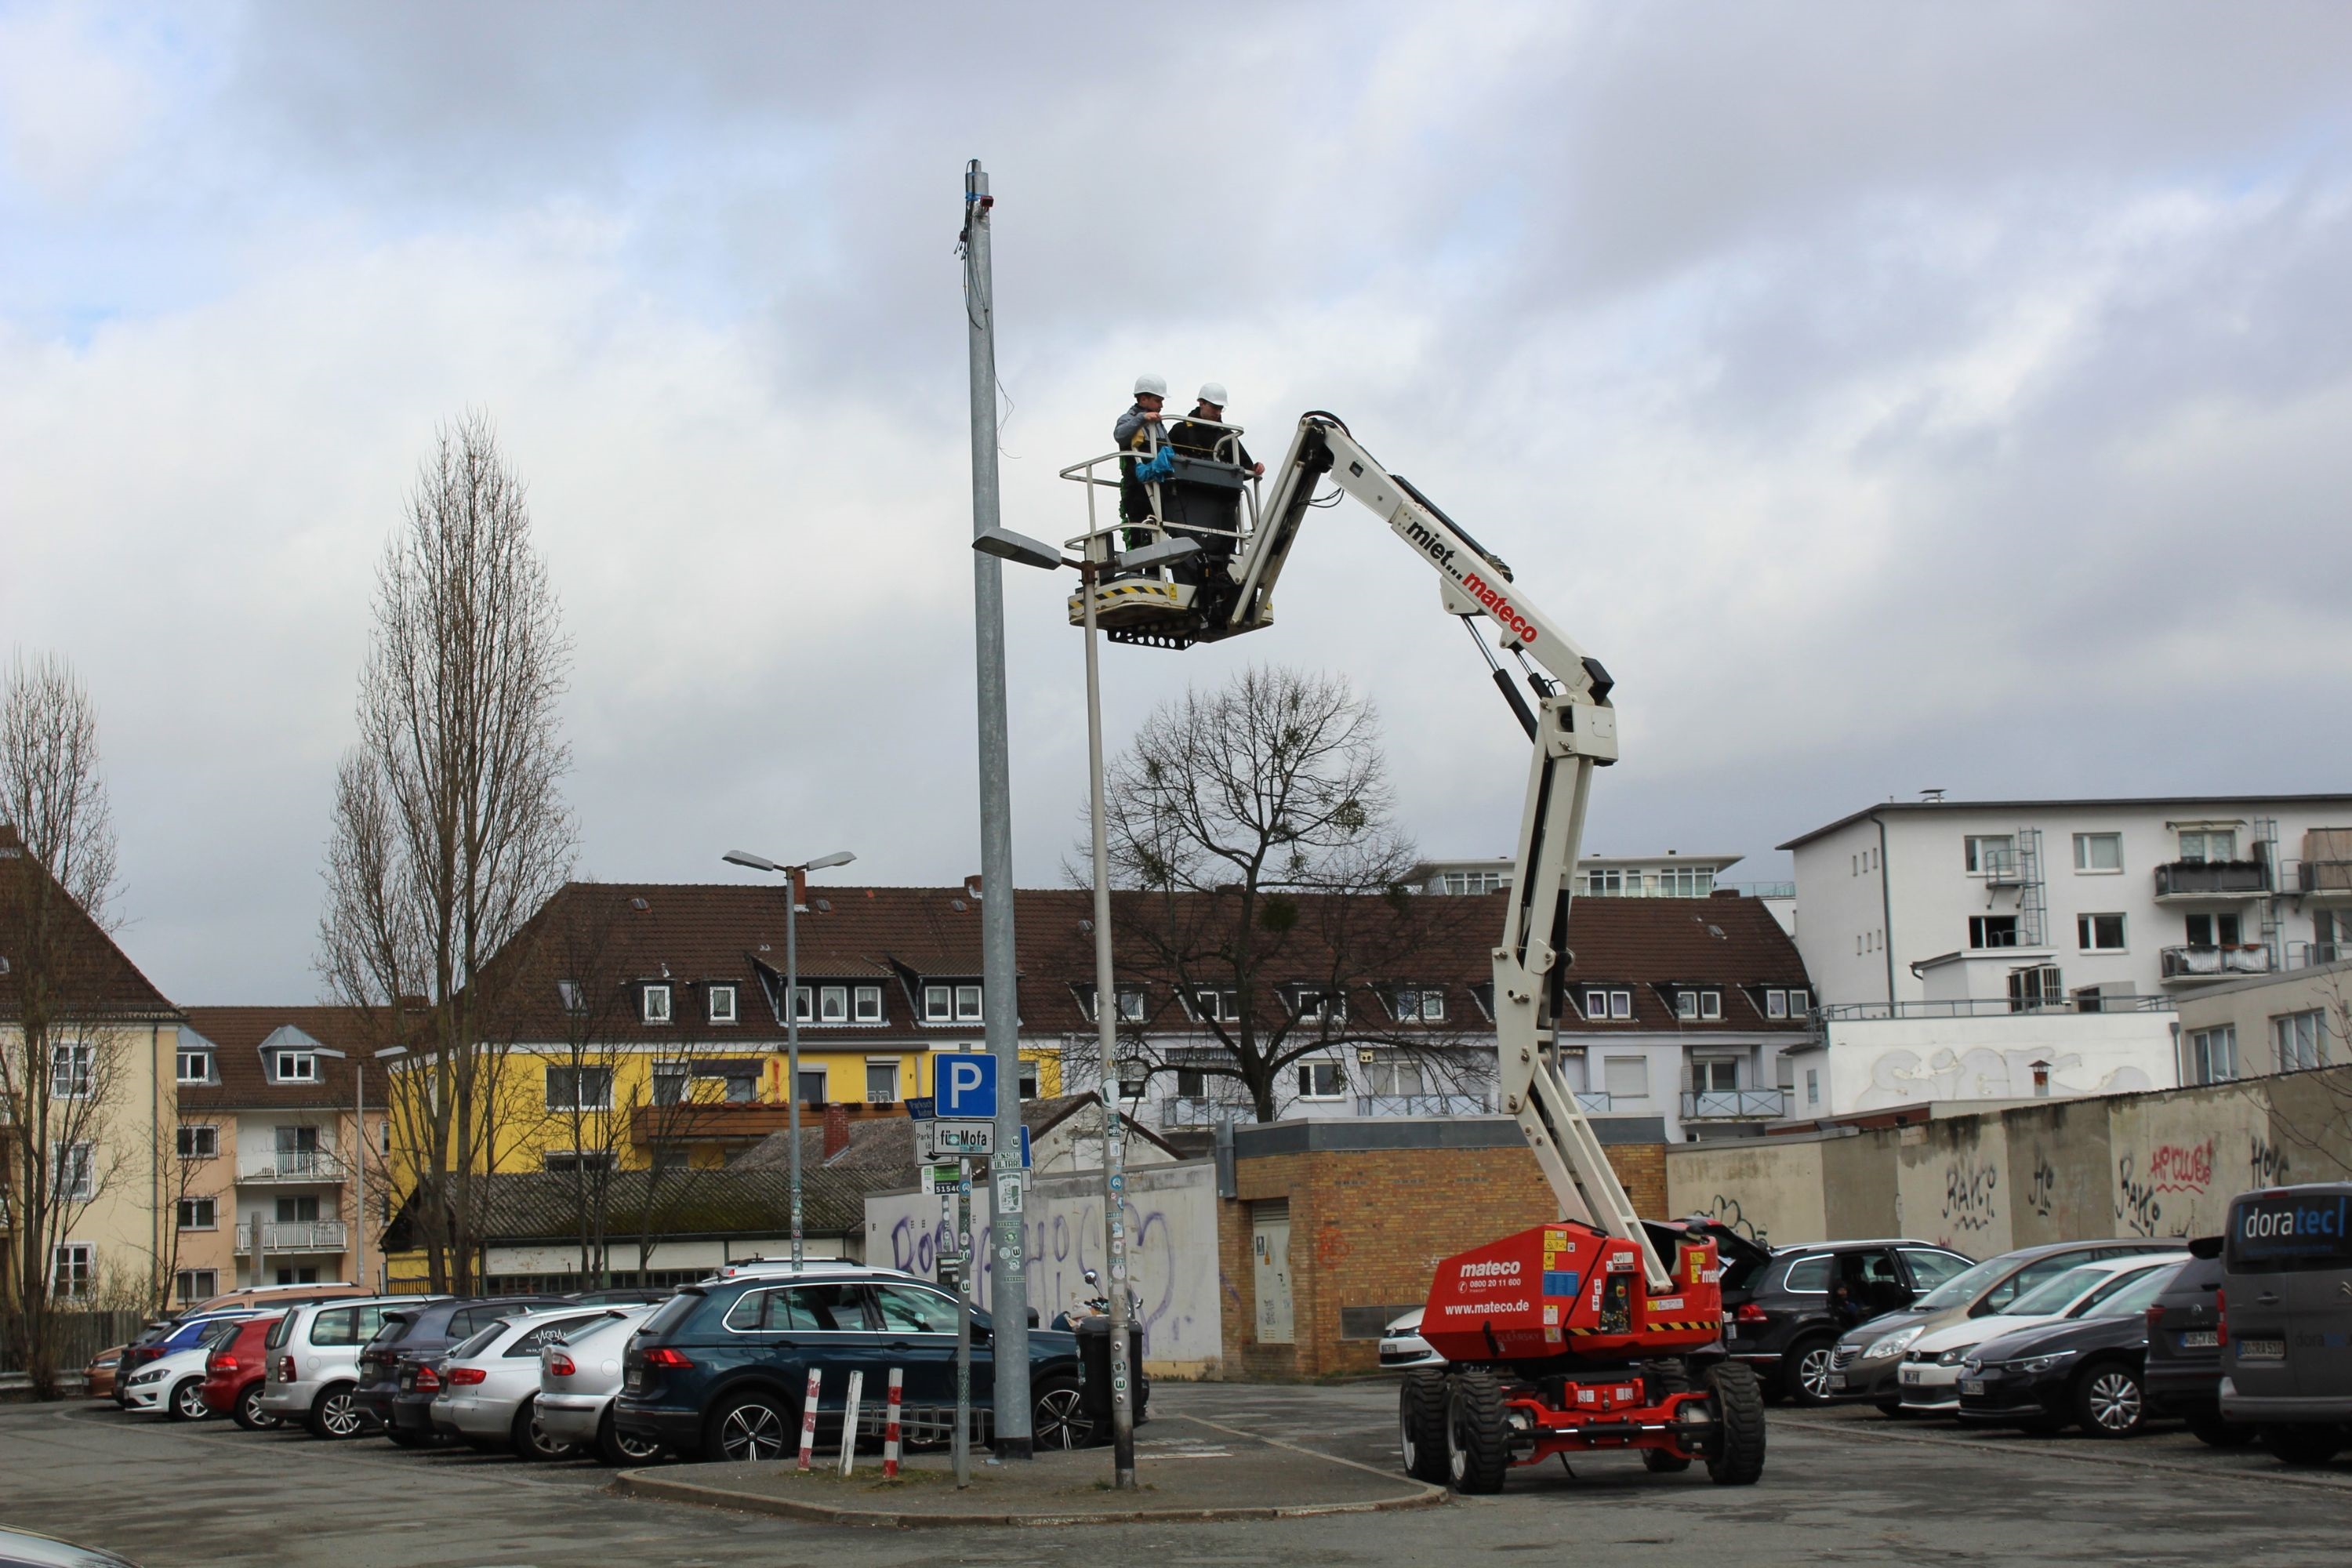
x=2036, y=904
x=1668, y=875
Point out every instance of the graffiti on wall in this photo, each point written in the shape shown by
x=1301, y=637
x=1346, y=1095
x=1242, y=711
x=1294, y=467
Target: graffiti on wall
x=2266, y=1163
x=1901, y=1077
x=2041, y=1187
x=2180, y=1168
x=1971, y=1186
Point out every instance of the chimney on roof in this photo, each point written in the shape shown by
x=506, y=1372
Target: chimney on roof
x=836, y=1129
x=972, y=888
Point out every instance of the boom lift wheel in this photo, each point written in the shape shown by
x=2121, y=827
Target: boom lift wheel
x=1736, y=1458
x=1421, y=1425
x=1672, y=1377
x=1477, y=1439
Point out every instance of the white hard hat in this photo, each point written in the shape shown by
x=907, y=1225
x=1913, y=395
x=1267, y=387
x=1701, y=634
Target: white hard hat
x=1151, y=384
x=1213, y=392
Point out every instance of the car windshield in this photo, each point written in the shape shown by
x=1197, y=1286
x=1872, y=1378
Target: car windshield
x=2055, y=1296
x=396, y=1329
x=2135, y=1291
x=480, y=1342
x=1962, y=1288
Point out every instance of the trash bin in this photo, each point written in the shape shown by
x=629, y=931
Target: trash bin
x=1094, y=1360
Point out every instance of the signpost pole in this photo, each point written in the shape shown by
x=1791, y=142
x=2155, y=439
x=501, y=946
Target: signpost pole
x=962, y=1448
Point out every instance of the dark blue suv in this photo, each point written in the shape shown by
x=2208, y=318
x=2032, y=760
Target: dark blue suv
x=719, y=1371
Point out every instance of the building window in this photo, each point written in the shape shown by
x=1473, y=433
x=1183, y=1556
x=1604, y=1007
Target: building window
x=722, y=1003
x=833, y=1005
x=967, y=1004
x=2214, y=1055
x=1134, y=1080
x=1321, y=1007
x=813, y=1086
x=939, y=1003
x=1813, y=1086
x=2037, y=985
x=1483, y=994
x=70, y=1067
x=1613, y=882
x=804, y=1003
x=2298, y=1036
x=867, y=1000
x=1322, y=1080
x=1988, y=853
x=1693, y=1004
x=669, y=1083
x=197, y=1214
x=656, y=1004
x=1992, y=930
x=1131, y=1004
x=196, y=1067
x=1601, y=1006
x=1028, y=1080
x=743, y=1088
x=1625, y=1078
x=199, y=1142
x=1686, y=881
x=73, y=1170
x=2209, y=844
x=1715, y=1075
x=1470, y=882
x=1214, y=1006
x=2098, y=851
x=570, y=1162
x=881, y=1083
x=1793, y=1002
x=580, y=1089
x=2099, y=934
x=194, y=1285
x=572, y=995
x=1426, y=1005
x=2211, y=930
x=73, y=1266
x=1395, y=1078
x=294, y=1067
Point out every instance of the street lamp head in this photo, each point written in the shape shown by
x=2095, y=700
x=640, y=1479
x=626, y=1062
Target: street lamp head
x=1160, y=553
x=756, y=862
x=391, y=1051
x=326, y=1051
x=838, y=857
x=1017, y=548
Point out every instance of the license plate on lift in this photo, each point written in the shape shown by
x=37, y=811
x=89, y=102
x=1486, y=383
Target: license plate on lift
x=2262, y=1350
x=1973, y=1385
x=2201, y=1340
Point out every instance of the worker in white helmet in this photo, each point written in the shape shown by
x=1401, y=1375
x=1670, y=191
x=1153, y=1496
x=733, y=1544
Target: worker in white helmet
x=1201, y=440
x=1138, y=430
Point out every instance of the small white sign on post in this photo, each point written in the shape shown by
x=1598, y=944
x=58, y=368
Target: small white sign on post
x=937, y=1140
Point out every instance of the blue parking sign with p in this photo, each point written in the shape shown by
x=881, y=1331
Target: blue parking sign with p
x=966, y=1086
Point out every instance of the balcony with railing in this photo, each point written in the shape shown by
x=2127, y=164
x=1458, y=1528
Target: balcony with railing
x=2212, y=879
x=2323, y=879
x=1181, y=1111
x=1735, y=1104
x=2317, y=954
x=2193, y=965
x=1423, y=1105
x=294, y=1235
x=269, y=1164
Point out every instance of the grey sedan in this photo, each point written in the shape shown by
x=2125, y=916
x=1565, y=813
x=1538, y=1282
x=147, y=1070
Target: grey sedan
x=578, y=1376
x=489, y=1384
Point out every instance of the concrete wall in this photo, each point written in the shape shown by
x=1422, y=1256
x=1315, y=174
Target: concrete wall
x=2160, y=1164
x=1172, y=1217
x=1874, y=1063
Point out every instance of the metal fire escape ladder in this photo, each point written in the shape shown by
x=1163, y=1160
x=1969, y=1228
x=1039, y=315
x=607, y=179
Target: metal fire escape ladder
x=2266, y=907
x=1574, y=731
x=2032, y=898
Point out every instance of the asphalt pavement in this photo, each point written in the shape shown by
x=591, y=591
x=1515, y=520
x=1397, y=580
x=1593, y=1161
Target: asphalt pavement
x=1838, y=1488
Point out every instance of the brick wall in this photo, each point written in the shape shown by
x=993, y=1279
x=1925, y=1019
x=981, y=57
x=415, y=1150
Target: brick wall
x=1368, y=1228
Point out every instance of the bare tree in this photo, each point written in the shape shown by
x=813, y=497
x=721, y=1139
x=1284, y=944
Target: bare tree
x=67, y=1067
x=449, y=829
x=1266, y=889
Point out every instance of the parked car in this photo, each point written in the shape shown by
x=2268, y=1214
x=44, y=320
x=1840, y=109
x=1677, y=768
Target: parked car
x=413, y=1339
x=1930, y=1379
x=579, y=1373
x=2286, y=1316
x=621, y=1296
x=1783, y=1310
x=29, y=1549
x=313, y=1355
x=173, y=1385
x=1865, y=1364
x=1403, y=1346
x=489, y=1384
x=720, y=1370
x=2090, y=1369
x=2184, y=1347
x=164, y=1338
x=234, y=1372
x=277, y=1298
x=98, y=1378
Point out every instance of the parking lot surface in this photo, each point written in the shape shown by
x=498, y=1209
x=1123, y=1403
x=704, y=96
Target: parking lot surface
x=1840, y=1487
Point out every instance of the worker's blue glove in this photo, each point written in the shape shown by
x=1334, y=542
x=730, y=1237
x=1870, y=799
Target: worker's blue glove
x=1160, y=467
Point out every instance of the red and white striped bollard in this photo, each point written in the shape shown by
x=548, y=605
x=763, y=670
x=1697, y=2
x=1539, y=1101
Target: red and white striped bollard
x=890, y=1429
x=808, y=1419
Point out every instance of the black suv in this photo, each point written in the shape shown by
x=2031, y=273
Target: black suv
x=413, y=1337
x=1783, y=1310
x=2184, y=1348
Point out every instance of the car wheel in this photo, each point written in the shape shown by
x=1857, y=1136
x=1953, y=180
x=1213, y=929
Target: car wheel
x=2303, y=1445
x=1057, y=1414
x=1477, y=1439
x=1736, y=1458
x=2109, y=1401
x=751, y=1426
x=335, y=1414
x=2215, y=1433
x=248, y=1414
x=1805, y=1372
x=616, y=1448
x=187, y=1402
x=529, y=1440
x=1421, y=1425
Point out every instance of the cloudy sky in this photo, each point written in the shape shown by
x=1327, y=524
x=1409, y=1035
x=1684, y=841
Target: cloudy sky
x=1892, y=395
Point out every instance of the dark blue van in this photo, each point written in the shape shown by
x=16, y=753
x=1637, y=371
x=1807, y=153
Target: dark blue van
x=2286, y=1290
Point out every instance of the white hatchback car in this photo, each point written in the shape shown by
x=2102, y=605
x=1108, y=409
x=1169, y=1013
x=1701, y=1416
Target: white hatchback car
x=1403, y=1346
x=579, y=1373
x=1929, y=1376
x=173, y=1386
x=312, y=1355
x=489, y=1384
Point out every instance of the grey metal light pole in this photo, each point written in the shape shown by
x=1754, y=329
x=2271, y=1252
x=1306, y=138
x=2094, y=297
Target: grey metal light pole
x=794, y=880
x=1005, y=545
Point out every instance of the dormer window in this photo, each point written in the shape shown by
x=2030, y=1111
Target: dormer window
x=1602, y=1004
x=294, y=1067
x=951, y=1005
x=1695, y=1004
x=656, y=1004
x=1414, y=1004
x=1316, y=1007
x=722, y=1003
x=869, y=1004
x=196, y=1067
x=1130, y=1003
x=575, y=996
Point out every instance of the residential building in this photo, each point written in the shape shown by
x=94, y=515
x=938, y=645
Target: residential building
x=2070, y=903
x=2268, y=1024
x=281, y=1125
x=101, y=1106
x=1668, y=875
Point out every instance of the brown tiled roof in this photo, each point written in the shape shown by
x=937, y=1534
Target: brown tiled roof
x=884, y=1145
x=236, y=1035
x=99, y=981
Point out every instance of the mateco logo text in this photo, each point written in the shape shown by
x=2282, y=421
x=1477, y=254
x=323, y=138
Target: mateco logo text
x=1500, y=607
x=1488, y=1270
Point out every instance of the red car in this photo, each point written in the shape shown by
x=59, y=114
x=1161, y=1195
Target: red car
x=234, y=1374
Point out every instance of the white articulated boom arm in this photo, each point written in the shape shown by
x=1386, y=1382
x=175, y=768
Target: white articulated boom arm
x=1574, y=730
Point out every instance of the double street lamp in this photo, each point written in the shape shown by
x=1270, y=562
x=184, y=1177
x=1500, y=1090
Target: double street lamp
x=795, y=877
x=1006, y=545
